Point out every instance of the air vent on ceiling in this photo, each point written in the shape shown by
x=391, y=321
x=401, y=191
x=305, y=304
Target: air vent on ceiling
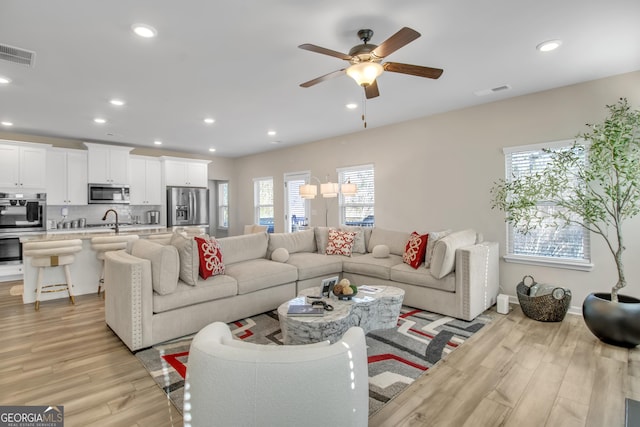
x=484, y=92
x=17, y=55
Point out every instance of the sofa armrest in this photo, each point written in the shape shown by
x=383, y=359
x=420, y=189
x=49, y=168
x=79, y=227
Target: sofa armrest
x=129, y=298
x=477, y=277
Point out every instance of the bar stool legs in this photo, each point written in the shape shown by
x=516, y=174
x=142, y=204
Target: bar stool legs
x=103, y=244
x=47, y=254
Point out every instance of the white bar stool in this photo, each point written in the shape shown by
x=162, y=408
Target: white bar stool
x=103, y=244
x=57, y=253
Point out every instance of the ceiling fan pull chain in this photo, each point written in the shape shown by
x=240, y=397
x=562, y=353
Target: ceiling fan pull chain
x=364, y=110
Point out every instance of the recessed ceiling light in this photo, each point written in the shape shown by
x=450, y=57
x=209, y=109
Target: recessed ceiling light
x=209, y=120
x=271, y=133
x=549, y=45
x=157, y=142
x=352, y=106
x=4, y=80
x=99, y=120
x=117, y=102
x=212, y=149
x=6, y=123
x=144, y=30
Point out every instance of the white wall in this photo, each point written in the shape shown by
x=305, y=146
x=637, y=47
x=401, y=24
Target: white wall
x=436, y=172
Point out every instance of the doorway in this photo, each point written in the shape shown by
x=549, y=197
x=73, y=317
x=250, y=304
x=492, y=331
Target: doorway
x=296, y=209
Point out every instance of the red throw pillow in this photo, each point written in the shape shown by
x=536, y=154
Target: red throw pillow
x=340, y=242
x=211, y=263
x=415, y=249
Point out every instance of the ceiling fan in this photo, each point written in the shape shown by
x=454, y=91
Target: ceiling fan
x=365, y=60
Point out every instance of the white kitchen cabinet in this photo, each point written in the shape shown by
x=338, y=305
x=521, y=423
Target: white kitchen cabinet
x=186, y=173
x=108, y=164
x=23, y=166
x=67, y=177
x=146, y=185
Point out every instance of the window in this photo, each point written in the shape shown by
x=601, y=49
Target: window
x=263, y=202
x=566, y=246
x=296, y=208
x=359, y=208
x=223, y=204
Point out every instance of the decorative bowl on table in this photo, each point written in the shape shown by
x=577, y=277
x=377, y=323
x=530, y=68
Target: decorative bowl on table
x=344, y=290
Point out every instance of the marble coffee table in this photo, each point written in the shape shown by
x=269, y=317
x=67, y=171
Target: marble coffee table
x=370, y=311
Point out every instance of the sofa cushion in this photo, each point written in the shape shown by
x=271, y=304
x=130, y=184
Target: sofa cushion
x=188, y=252
x=404, y=273
x=280, y=255
x=165, y=264
x=214, y=288
x=415, y=249
x=367, y=265
x=434, y=236
x=322, y=238
x=244, y=247
x=444, y=253
x=300, y=241
x=380, y=251
x=360, y=242
x=260, y=273
x=396, y=240
x=312, y=265
x=210, y=257
x=340, y=242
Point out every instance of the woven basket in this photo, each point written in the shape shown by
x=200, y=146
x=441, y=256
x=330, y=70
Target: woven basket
x=544, y=308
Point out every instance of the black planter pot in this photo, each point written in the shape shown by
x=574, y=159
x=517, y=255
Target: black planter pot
x=614, y=323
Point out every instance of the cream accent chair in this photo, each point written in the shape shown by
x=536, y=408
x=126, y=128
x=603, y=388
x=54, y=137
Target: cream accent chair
x=255, y=228
x=103, y=244
x=56, y=253
x=233, y=383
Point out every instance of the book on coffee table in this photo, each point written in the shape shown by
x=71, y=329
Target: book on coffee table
x=304, y=310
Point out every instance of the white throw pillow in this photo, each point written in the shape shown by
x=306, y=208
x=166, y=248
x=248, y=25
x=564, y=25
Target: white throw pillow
x=444, y=254
x=189, y=260
x=165, y=264
x=381, y=251
x=280, y=255
x=434, y=236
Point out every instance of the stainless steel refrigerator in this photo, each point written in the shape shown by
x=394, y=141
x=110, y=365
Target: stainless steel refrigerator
x=187, y=206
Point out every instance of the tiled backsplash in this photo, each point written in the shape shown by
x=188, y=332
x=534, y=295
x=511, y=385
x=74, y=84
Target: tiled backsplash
x=94, y=213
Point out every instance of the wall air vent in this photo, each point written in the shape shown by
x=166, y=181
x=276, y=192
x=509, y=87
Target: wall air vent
x=484, y=92
x=17, y=55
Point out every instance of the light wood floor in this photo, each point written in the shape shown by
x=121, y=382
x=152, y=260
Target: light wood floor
x=516, y=372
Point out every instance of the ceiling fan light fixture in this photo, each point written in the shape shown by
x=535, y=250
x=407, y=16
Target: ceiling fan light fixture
x=365, y=73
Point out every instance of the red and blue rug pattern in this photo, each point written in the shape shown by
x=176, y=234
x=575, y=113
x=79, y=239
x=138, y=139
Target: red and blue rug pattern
x=396, y=356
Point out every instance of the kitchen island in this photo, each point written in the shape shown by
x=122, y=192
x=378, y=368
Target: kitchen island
x=85, y=271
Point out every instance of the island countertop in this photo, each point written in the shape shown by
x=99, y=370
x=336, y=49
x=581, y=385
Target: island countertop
x=85, y=270
x=88, y=233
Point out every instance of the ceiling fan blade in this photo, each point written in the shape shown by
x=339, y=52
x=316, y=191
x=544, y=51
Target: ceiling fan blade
x=322, y=78
x=324, y=51
x=403, y=37
x=414, y=70
x=372, y=91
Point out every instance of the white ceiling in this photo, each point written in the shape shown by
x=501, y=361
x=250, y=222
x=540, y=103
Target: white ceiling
x=238, y=62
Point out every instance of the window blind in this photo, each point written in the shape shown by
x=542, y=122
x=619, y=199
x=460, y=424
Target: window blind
x=566, y=242
x=359, y=208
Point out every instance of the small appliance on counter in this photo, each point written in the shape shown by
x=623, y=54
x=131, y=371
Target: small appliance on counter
x=153, y=217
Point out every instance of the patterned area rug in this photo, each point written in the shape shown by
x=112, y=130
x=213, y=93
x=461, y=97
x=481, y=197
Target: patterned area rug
x=396, y=356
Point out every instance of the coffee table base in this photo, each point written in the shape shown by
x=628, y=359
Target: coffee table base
x=369, y=311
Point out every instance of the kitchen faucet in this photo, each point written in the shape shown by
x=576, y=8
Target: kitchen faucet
x=116, y=214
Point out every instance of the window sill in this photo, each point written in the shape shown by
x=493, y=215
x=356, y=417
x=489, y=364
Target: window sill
x=550, y=262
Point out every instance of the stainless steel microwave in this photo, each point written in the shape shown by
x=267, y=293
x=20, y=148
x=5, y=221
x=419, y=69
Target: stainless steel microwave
x=108, y=194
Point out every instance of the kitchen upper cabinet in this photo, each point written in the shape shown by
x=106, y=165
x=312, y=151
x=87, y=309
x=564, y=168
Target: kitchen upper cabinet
x=108, y=164
x=186, y=173
x=146, y=185
x=23, y=166
x=67, y=177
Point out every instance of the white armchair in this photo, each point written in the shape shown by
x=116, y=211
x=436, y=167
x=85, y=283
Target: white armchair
x=233, y=383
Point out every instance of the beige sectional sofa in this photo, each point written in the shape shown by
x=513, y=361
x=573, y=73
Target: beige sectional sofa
x=155, y=293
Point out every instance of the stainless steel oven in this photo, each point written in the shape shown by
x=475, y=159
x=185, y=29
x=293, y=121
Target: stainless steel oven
x=20, y=214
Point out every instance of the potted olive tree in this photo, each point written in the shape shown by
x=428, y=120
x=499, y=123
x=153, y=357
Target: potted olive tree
x=598, y=194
